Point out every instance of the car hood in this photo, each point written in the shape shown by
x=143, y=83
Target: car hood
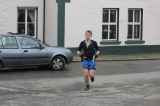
x=57, y=49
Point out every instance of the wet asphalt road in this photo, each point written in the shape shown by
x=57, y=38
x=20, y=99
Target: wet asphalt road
x=122, y=83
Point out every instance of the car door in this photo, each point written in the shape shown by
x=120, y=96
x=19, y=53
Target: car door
x=32, y=52
x=10, y=52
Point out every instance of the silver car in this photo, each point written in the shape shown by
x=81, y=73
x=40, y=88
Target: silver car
x=20, y=51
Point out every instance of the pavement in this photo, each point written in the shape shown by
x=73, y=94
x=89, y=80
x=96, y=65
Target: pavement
x=118, y=83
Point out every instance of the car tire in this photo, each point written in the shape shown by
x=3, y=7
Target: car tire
x=58, y=63
x=1, y=65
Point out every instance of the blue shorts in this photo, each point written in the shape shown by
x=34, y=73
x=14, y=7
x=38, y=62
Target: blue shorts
x=89, y=64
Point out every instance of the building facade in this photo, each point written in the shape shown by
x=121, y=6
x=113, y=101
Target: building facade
x=22, y=16
x=37, y=18
x=113, y=22
x=117, y=25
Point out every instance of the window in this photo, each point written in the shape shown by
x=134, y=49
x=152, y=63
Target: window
x=135, y=20
x=110, y=27
x=28, y=43
x=1, y=44
x=9, y=42
x=27, y=21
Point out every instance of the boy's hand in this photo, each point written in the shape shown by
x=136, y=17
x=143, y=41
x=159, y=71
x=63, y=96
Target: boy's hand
x=79, y=53
x=97, y=53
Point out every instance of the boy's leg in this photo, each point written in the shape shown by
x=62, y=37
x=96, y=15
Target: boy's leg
x=85, y=66
x=86, y=78
x=92, y=70
x=92, y=74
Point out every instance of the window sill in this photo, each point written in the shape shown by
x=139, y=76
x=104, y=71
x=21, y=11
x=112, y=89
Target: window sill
x=134, y=42
x=110, y=42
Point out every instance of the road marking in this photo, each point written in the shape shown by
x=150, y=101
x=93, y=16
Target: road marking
x=8, y=89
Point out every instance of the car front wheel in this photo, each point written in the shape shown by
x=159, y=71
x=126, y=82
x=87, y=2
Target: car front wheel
x=1, y=65
x=58, y=63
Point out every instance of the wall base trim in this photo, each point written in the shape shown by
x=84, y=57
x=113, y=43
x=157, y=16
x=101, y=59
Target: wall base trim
x=132, y=49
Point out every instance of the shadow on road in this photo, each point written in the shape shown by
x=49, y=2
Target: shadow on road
x=32, y=73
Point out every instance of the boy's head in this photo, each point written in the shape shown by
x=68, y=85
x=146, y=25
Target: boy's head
x=88, y=35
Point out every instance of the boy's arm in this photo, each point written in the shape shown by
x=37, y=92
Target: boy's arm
x=97, y=48
x=80, y=49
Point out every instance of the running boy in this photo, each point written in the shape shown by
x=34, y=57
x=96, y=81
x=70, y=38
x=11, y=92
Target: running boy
x=88, y=50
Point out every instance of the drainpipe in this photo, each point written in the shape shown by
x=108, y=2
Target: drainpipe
x=61, y=22
x=44, y=20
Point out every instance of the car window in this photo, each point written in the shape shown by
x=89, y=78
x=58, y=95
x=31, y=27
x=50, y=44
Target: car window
x=9, y=42
x=1, y=45
x=28, y=43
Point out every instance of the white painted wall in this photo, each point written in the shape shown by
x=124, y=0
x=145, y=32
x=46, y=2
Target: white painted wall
x=8, y=16
x=87, y=14
x=51, y=22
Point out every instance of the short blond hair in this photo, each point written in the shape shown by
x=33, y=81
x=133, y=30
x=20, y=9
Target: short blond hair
x=89, y=31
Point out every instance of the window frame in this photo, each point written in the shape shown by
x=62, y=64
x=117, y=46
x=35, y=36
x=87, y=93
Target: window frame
x=109, y=24
x=26, y=23
x=134, y=23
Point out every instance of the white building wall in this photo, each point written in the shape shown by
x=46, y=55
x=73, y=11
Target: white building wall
x=82, y=15
x=8, y=16
x=51, y=22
